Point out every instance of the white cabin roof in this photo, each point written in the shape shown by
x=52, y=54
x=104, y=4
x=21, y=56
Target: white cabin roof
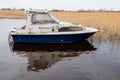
x=38, y=11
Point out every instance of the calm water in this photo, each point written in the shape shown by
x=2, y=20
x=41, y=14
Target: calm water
x=78, y=61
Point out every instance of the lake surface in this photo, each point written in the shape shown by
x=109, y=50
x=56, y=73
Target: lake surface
x=84, y=60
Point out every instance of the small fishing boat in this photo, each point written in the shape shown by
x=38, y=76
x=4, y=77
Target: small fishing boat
x=42, y=27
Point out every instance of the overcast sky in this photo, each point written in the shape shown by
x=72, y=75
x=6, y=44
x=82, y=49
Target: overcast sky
x=61, y=4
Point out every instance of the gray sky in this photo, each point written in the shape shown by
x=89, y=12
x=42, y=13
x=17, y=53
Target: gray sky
x=61, y=4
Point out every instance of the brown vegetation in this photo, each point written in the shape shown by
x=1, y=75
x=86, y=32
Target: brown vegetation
x=12, y=14
x=107, y=22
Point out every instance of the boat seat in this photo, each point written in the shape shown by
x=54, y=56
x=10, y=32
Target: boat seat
x=63, y=29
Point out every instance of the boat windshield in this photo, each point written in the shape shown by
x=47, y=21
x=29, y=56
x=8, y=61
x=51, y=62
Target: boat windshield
x=42, y=19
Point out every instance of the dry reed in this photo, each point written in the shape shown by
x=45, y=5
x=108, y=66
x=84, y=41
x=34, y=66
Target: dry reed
x=108, y=23
x=12, y=14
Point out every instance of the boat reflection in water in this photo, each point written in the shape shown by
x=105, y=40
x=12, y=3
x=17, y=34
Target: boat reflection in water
x=43, y=56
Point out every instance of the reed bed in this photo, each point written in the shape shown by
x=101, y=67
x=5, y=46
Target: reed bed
x=108, y=23
x=12, y=14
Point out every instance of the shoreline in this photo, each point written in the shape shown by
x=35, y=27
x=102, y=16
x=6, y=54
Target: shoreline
x=19, y=14
x=11, y=18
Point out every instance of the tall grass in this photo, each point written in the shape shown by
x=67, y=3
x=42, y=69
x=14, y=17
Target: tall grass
x=108, y=23
x=12, y=14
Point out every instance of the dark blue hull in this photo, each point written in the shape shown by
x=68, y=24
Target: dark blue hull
x=65, y=38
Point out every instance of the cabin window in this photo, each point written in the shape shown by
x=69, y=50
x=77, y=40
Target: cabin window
x=42, y=18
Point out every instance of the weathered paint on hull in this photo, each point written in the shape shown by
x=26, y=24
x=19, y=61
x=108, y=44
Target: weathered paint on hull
x=66, y=38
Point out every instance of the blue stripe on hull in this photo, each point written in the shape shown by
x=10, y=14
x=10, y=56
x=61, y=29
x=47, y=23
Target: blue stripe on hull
x=51, y=38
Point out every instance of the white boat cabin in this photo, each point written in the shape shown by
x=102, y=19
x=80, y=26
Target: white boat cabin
x=42, y=22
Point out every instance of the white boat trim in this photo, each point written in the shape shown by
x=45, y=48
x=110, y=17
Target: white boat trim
x=88, y=30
